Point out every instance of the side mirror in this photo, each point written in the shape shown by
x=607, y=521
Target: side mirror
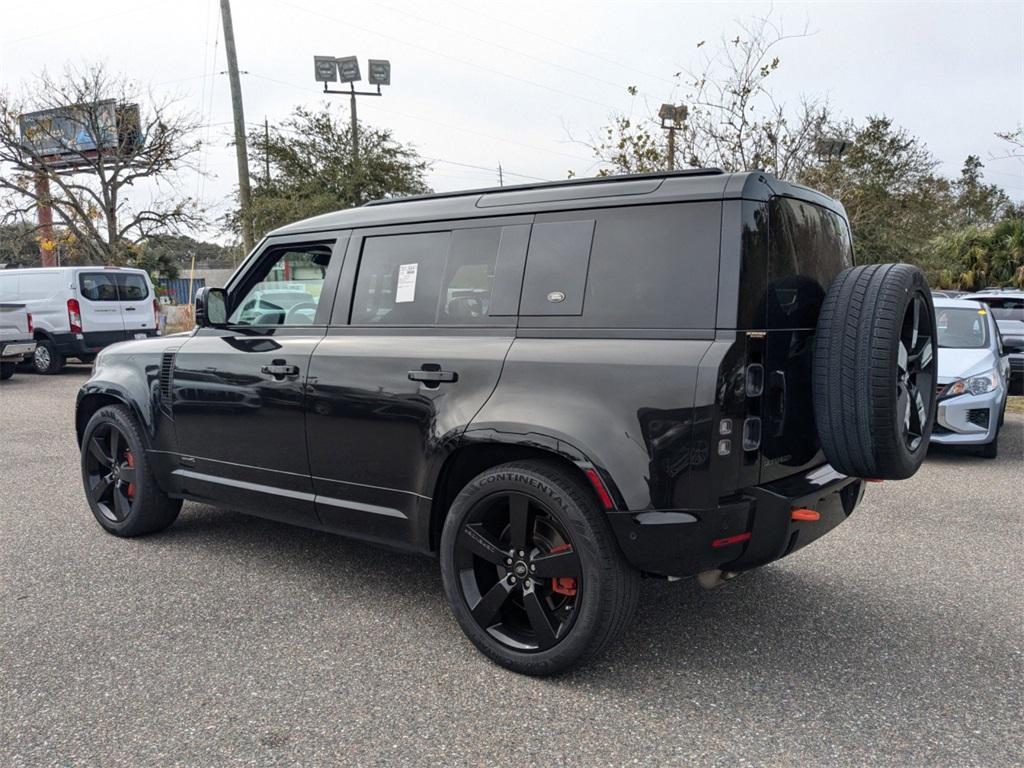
x=211, y=307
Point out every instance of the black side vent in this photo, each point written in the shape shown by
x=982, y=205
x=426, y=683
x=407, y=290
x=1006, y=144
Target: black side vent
x=166, y=371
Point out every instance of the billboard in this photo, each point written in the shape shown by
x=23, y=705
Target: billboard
x=64, y=134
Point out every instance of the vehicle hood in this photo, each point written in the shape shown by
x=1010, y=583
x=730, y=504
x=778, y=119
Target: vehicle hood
x=959, y=363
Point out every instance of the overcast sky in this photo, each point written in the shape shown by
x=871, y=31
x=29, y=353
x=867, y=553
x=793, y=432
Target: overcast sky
x=478, y=83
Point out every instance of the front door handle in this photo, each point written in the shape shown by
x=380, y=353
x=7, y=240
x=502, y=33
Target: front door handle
x=279, y=370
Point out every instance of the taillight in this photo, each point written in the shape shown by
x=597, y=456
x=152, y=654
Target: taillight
x=74, y=316
x=30, y=326
x=156, y=313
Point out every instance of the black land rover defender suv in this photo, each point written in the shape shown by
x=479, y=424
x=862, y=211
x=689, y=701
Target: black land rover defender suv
x=554, y=388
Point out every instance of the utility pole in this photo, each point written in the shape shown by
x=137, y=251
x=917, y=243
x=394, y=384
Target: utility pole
x=241, y=151
x=671, y=116
x=501, y=178
x=44, y=211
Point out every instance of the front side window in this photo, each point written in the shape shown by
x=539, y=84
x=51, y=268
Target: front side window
x=962, y=328
x=289, y=281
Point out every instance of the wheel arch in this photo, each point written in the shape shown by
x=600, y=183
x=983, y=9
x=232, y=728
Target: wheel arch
x=92, y=399
x=484, y=449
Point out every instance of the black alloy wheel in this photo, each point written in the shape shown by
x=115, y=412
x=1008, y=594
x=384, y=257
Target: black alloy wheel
x=532, y=570
x=518, y=571
x=110, y=472
x=915, y=382
x=123, y=494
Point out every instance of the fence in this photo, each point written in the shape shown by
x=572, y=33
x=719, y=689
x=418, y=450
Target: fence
x=180, y=289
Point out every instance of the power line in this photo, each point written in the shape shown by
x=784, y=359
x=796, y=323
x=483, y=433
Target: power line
x=504, y=47
x=349, y=24
x=78, y=25
x=561, y=43
x=440, y=123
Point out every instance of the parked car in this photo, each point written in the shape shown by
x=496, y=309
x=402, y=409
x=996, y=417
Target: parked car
x=1007, y=308
x=15, y=337
x=77, y=311
x=553, y=388
x=974, y=375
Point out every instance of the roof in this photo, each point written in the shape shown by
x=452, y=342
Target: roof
x=956, y=304
x=1008, y=293
x=688, y=185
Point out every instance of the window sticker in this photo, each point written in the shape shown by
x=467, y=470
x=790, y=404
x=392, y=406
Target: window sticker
x=406, y=290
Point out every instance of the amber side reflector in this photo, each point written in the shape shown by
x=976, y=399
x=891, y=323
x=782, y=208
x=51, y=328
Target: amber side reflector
x=805, y=515
x=738, y=538
x=872, y=480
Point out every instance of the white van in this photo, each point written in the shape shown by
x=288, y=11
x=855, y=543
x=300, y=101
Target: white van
x=76, y=311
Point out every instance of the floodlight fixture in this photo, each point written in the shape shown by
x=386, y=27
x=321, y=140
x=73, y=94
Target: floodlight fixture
x=672, y=114
x=348, y=68
x=325, y=69
x=378, y=71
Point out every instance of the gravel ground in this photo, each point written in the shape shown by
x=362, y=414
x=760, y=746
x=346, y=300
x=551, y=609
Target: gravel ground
x=230, y=641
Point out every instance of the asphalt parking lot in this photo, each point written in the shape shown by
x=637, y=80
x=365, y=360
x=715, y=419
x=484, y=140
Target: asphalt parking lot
x=896, y=640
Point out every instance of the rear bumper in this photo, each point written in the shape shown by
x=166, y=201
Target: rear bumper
x=16, y=350
x=748, y=530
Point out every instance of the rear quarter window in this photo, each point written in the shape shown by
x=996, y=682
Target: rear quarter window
x=650, y=267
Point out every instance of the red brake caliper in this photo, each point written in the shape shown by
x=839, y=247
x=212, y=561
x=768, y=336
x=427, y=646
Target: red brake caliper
x=130, y=461
x=563, y=585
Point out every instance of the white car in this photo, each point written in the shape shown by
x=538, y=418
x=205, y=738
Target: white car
x=77, y=311
x=973, y=379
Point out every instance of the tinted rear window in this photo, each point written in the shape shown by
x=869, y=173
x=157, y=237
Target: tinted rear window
x=808, y=247
x=650, y=266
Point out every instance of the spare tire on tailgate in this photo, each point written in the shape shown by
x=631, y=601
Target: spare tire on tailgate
x=875, y=371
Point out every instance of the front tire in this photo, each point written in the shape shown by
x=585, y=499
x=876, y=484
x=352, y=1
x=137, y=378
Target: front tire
x=117, y=477
x=532, y=570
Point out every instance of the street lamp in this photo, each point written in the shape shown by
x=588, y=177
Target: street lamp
x=671, y=116
x=330, y=69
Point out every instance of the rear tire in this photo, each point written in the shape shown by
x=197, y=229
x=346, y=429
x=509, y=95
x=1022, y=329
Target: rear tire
x=875, y=369
x=46, y=359
x=533, y=625
x=117, y=477
x=7, y=370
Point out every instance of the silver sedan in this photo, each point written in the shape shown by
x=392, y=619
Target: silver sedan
x=974, y=374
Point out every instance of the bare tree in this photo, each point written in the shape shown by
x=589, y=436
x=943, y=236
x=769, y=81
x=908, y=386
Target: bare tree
x=734, y=120
x=86, y=174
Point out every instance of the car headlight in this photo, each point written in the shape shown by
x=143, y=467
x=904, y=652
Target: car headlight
x=975, y=385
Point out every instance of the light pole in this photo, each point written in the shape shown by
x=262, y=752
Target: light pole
x=671, y=116
x=328, y=69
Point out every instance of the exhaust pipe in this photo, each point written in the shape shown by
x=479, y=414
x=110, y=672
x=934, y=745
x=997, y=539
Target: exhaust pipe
x=714, y=578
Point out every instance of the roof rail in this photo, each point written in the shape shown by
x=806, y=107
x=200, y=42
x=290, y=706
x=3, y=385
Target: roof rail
x=549, y=184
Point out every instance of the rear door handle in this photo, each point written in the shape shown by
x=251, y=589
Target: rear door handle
x=129, y=309
x=280, y=370
x=433, y=377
